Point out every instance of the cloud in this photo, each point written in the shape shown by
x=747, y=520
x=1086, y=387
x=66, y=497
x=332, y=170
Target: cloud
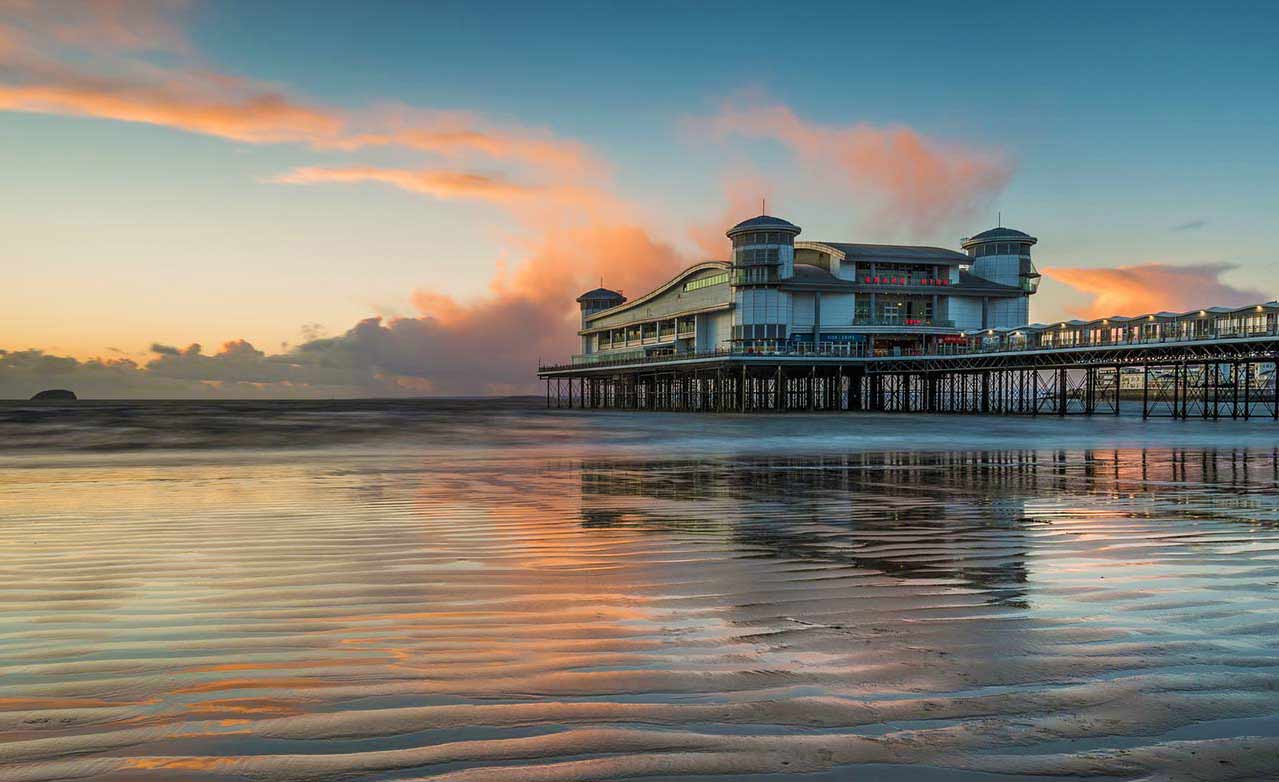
x=92, y=59
x=1189, y=225
x=24, y=372
x=459, y=134
x=435, y=183
x=911, y=181
x=571, y=228
x=101, y=25
x=164, y=350
x=489, y=345
x=1154, y=287
x=240, y=112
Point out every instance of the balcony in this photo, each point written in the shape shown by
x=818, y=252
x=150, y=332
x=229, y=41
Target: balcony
x=898, y=281
x=904, y=322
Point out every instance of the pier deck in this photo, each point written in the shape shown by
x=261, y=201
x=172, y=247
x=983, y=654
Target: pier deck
x=1209, y=377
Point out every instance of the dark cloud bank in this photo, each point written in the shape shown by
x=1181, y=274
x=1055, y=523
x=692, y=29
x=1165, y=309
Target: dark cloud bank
x=401, y=357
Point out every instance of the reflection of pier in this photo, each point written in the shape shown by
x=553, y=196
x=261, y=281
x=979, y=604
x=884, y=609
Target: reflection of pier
x=909, y=516
x=1210, y=373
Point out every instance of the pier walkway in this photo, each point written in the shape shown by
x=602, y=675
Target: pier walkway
x=1207, y=363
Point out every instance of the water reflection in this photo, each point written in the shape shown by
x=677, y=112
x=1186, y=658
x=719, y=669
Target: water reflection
x=844, y=511
x=1098, y=613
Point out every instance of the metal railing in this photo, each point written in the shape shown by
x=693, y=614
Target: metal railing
x=977, y=344
x=903, y=322
x=1006, y=344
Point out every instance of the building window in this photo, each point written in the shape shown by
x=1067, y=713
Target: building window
x=761, y=237
x=758, y=256
x=706, y=282
x=749, y=275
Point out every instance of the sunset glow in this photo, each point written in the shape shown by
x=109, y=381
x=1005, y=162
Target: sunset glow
x=405, y=201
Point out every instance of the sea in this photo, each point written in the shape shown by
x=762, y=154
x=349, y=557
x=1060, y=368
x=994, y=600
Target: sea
x=491, y=591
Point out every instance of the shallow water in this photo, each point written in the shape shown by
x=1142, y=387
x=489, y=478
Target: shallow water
x=479, y=591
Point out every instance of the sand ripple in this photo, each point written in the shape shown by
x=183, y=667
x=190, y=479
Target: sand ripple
x=1097, y=614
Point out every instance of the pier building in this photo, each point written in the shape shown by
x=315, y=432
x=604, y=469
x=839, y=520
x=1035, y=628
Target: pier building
x=778, y=295
x=799, y=325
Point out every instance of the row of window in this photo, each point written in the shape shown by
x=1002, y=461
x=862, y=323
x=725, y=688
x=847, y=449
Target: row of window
x=760, y=331
x=762, y=237
x=755, y=275
x=653, y=330
x=1000, y=248
x=757, y=256
x=706, y=282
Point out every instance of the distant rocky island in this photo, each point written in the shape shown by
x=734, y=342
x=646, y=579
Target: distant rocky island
x=54, y=393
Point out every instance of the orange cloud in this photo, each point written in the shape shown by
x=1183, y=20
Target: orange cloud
x=915, y=182
x=1153, y=287
x=435, y=183
x=251, y=116
x=89, y=63
x=455, y=134
x=491, y=344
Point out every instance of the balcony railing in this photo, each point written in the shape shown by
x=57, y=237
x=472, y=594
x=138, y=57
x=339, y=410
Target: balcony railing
x=900, y=279
x=903, y=321
x=1007, y=342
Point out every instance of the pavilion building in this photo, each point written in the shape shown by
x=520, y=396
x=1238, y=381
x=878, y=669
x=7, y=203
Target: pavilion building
x=780, y=295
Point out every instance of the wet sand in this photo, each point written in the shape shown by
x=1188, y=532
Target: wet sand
x=563, y=596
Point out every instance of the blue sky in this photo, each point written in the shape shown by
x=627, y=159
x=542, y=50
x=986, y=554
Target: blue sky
x=1124, y=118
x=1123, y=121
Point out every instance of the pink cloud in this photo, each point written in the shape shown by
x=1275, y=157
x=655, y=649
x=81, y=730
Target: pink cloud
x=911, y=181
x=1153, y=287
x=89, y=60
x=101, y=25
x=435, y=183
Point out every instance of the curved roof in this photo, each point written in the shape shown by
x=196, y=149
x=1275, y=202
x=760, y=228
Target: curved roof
x=659, y=290
x=1001, y=232
x=601, y=294
x=764, y=221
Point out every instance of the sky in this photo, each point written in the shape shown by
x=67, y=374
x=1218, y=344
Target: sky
x=230, y=198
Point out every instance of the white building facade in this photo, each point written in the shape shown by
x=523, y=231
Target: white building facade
x=780, y=295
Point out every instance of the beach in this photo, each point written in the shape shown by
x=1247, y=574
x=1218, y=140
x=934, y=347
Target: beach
x=487, y=590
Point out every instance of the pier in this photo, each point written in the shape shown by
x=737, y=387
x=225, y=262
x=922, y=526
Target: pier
x=1211, y=364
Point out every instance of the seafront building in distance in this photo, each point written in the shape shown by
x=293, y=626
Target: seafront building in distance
x=780, y=295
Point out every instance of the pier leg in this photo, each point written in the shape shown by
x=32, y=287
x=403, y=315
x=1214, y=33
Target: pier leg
x=1234, y=390
x=1117, y=376
x=1062, y=386
x=1274, y=389
x=1176, y=390
x=1145, y=391
x=1247, y=390
x=1207, y=375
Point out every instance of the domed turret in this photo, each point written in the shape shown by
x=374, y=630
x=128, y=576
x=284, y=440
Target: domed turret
x=763, y=250
x=766, y=223
x=1002, y=255
x=763, y=256
x=598, y=300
